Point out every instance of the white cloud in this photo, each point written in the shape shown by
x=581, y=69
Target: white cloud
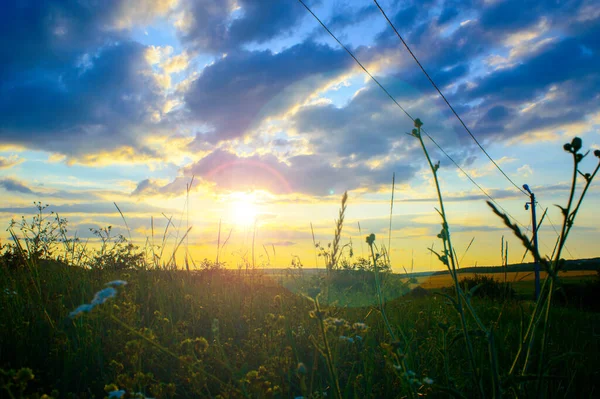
x=525, y=171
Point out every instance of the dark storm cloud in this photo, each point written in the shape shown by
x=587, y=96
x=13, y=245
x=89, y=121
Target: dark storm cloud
x=49, y=34
x=562, y=80
x=371, y=125
x=218, y=27
x=305, y=174
x=78, y=85
x=561, y=62
x=15, y=186
x=511, y=15
x=448, y=14
x=231, y=94
x=70, y=80
x=492, y=107
x=81, y=110
x=346, y=16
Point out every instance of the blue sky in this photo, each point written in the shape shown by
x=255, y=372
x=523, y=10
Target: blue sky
x=104, y=102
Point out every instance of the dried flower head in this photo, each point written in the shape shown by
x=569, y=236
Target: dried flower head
x=99, y=298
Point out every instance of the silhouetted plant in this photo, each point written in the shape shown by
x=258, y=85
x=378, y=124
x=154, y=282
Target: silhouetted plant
x=541, y=313
x=116, y=252
x=461, y=300
x=41, y=234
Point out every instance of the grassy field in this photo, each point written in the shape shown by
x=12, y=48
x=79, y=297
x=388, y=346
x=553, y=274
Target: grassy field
x=518, y=279
x=170, y=334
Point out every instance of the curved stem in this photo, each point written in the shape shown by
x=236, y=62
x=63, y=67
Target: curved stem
x=449, y=252
x=578, y=205
x=566, y=216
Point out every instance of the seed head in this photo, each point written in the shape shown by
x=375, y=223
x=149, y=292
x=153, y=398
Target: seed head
x=577, y=143
x=371, y=239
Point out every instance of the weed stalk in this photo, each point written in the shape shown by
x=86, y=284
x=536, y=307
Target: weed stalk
x=448, y=258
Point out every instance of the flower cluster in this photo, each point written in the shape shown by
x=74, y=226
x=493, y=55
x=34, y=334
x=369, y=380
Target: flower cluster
x=333, y=323
x=101, y=297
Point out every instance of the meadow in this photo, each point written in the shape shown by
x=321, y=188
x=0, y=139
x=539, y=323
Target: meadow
x=123, y=322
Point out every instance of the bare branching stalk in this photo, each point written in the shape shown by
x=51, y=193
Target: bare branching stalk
x=447, y=257
x=541, y=312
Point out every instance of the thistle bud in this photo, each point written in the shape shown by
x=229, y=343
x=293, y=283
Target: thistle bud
x=567, y=147
x=577, y=144
x=418, y=123
x=371, y=239
x=597, y=153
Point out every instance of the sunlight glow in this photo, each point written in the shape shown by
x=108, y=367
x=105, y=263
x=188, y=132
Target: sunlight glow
x=243, y=209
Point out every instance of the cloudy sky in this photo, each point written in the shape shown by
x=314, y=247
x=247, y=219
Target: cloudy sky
x=126, y=101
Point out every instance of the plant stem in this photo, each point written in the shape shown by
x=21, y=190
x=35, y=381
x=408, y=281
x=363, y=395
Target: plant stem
x=449, y=252
x=328, y=356
x=380, y=296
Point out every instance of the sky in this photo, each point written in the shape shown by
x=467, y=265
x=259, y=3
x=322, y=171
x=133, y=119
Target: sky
x=246, y=114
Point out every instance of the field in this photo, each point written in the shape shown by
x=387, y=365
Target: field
x=519, y=279
x=220, y=333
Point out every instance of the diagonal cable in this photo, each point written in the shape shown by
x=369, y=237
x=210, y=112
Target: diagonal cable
x=446, y=100
x=407, y=114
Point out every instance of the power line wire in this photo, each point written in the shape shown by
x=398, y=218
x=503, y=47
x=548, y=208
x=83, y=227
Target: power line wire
x=454, y=111
x=446, y=100
x=407, y=114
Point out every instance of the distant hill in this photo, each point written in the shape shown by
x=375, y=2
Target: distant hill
x=575, y=264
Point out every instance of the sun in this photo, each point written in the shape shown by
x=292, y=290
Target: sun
x=243, y=209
